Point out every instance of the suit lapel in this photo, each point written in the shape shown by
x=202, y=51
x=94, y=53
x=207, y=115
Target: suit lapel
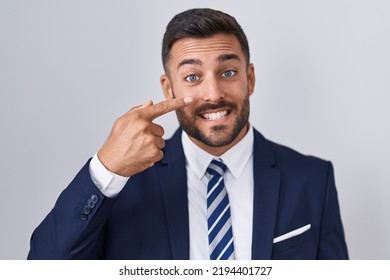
x=266, y=195
x=173, y=180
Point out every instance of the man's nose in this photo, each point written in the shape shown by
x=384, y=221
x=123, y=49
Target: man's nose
x=212, y=91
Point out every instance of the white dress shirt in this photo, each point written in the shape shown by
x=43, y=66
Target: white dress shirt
x=110, y=184
x=239, y=185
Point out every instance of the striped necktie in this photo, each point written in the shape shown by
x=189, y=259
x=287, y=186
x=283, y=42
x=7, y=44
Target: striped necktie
x=218, y=214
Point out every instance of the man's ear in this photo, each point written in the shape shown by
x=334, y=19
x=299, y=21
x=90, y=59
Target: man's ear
x=251, y=78
x=166, y=87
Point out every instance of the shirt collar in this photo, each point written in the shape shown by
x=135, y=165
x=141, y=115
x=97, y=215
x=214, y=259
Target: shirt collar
x=235, y=158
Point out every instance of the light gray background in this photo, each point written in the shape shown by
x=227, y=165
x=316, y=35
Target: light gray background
x=69, y=68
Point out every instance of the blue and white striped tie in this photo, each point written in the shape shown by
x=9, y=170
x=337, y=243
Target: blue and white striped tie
x=218, y=214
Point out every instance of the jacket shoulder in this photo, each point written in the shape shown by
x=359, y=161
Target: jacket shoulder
x=287, y=157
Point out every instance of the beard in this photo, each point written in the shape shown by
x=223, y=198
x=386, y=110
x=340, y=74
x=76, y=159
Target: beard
x=220, y=135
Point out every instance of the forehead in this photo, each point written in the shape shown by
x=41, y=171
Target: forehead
x=204, y=49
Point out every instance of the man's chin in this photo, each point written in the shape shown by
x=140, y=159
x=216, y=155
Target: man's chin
x=216, y=137
x=218, y=129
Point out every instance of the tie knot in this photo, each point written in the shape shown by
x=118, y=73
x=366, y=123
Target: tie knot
x=216, y=167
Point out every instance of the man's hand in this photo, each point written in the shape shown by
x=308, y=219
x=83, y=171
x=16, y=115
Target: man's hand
x=135, y=142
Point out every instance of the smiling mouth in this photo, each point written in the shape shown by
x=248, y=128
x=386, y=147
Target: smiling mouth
x=215, y=116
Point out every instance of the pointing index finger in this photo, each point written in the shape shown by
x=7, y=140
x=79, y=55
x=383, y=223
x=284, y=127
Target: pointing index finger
x=167, y=106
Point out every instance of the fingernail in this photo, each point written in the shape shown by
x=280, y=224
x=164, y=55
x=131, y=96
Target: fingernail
x=187, y=99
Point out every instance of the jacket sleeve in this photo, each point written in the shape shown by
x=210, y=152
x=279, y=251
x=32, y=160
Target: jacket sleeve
x=74, y=227
x=332, y=243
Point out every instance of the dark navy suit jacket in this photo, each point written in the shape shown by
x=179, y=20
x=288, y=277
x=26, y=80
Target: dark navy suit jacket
x=149, y=219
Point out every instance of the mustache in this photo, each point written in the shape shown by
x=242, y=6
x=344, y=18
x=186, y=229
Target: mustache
x=214, y=106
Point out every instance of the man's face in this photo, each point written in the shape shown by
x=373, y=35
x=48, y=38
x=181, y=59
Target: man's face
x=214, y=72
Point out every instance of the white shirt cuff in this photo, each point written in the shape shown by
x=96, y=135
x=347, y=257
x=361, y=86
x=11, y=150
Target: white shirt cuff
x=110, y=184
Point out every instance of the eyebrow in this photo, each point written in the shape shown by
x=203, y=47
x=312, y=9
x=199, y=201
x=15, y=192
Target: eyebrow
x=190, y=61
x=226, y=57
x=221, y=58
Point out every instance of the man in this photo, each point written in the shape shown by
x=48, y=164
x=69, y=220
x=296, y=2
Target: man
x=217, y=190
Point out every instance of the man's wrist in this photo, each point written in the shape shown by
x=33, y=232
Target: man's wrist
x=110, y=184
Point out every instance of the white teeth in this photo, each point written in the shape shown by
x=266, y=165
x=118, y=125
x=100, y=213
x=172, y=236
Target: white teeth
x=215, y=116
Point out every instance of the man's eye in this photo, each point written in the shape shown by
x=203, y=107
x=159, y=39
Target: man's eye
x=228, y=74
x=191, y=78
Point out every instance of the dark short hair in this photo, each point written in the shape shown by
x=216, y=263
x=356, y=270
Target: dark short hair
x=201, y=23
